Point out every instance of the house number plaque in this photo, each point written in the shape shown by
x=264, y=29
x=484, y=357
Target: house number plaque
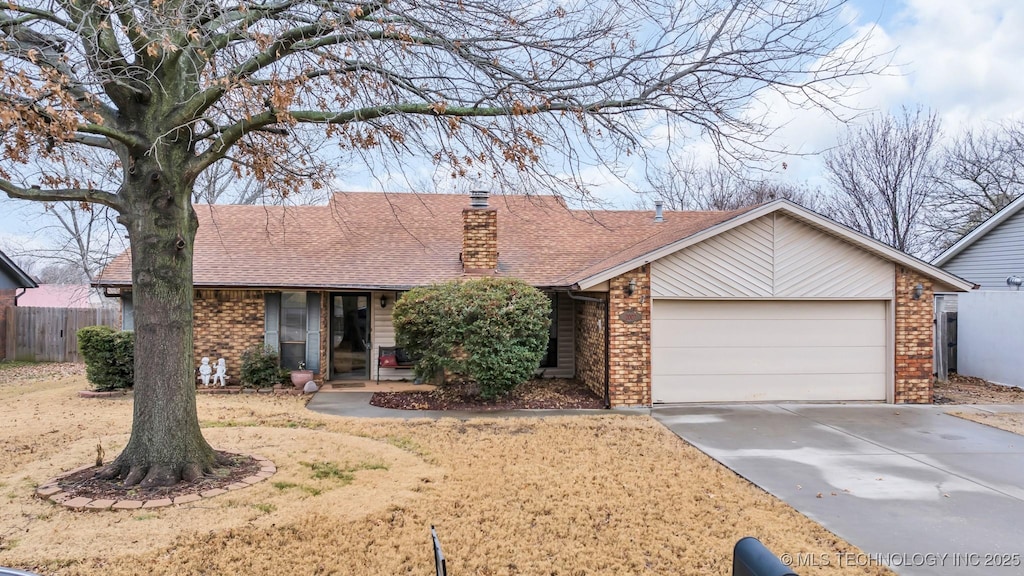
x=631, y=316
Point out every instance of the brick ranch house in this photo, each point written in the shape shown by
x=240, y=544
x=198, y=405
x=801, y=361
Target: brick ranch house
x=767, y=303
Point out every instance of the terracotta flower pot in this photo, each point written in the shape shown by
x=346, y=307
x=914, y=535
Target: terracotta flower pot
x=300, y=377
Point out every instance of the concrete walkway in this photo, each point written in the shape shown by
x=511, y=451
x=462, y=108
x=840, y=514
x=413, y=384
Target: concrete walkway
x=357, y=405
x=913, y=487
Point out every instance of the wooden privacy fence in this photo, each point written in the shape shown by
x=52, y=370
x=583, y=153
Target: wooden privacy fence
x=50, y=334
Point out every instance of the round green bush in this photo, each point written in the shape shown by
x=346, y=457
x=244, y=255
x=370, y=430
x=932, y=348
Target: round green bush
x=491, y=330
x=260, y=367
x=109, y=357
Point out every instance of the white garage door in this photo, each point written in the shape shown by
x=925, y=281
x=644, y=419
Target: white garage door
x=758, y=351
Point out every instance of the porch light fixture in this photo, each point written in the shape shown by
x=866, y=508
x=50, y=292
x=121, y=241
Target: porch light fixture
x=918, y=290
x=383, y=301
x=631, y=287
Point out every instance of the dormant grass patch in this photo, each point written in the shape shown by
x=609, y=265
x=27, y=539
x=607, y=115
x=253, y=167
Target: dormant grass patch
x=1009, y=421
x=566, y=496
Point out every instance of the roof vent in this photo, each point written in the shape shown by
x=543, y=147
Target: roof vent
x=659, y=216
x=478, y=199
x=1014, y=282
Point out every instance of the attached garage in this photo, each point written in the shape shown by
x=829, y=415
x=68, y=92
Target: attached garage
x=756, y=351
x=773, y=303
x=773, y=310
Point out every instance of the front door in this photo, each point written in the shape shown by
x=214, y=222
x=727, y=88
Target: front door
x=350, y=336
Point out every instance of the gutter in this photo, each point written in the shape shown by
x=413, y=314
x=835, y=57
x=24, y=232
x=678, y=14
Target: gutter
x=607, y=343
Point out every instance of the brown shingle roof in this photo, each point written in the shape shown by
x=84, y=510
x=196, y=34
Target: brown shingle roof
x=365, y=240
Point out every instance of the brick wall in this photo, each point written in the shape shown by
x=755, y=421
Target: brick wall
x=225, y=323
x=479, y=239
x=589, y=344
x=914, y=325
x=629, y=379
x=6, y=300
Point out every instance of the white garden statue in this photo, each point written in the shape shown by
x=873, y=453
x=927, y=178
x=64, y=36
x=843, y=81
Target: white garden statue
x=222, y=373
x=204, y=371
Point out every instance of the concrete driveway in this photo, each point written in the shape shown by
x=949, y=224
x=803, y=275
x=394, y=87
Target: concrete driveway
x=914, y=488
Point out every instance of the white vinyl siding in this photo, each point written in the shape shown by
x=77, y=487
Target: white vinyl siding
x=756, y=351
x=775, y=256
x=383, y=333
x=994, y=256
x=735, y=264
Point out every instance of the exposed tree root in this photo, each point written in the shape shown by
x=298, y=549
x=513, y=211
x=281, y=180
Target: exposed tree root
x=157, y=475
x=134, y=475
x=160, y=475
x=109, y=472
x=191, y=471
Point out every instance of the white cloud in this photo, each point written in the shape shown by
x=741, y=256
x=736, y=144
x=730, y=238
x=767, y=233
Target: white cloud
x=964, y=57
x=960, y=59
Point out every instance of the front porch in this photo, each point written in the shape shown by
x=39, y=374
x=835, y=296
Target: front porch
x=338, y=334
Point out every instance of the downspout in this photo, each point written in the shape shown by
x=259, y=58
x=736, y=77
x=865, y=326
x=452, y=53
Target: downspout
x=607, y=353
x=607, y=343
x=17, y=295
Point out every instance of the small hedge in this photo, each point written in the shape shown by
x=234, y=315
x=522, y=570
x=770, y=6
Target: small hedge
x=260, y=367
x=491, y=330
x=109, y=357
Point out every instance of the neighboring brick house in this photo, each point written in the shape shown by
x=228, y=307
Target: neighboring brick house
x=767, y=303
x=13, y=282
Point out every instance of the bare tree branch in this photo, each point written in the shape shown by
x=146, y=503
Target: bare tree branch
x=883, y=174
x=61, y=195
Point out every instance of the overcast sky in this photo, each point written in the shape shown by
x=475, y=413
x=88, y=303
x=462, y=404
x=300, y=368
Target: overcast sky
x=961, y=58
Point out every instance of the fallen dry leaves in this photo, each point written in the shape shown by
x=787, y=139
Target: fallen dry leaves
x=563, y=496
x=970, y=390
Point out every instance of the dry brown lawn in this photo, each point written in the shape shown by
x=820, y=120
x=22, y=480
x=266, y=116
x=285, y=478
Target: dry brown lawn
x=1011, y=422
x=563, y=496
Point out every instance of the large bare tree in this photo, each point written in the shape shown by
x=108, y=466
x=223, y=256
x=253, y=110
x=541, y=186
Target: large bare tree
x=980, y=172
x=500, y=88
x=883, y=174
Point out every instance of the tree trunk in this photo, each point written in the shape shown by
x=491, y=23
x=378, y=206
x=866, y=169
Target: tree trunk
x=166, y=444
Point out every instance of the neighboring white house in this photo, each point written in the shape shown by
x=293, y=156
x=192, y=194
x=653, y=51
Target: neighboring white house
x=990, y=323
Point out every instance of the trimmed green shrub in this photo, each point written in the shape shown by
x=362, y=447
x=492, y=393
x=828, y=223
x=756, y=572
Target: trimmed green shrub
x=493, y=331
x=260, y=367
x=109, y=357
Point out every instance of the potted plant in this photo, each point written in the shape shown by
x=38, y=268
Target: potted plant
x=301, y=376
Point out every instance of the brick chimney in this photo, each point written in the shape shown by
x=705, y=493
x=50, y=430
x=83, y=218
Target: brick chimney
x=479, y=235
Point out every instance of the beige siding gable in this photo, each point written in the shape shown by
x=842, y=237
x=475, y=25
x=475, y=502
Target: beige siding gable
x=734, y=264
x=811, y=264
x=775, y=256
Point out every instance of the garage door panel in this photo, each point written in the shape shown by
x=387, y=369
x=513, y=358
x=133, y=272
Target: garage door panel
x=727, y=351
x=768, y=309
x=771, y=360
x=774, y=388
x=759, y=332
